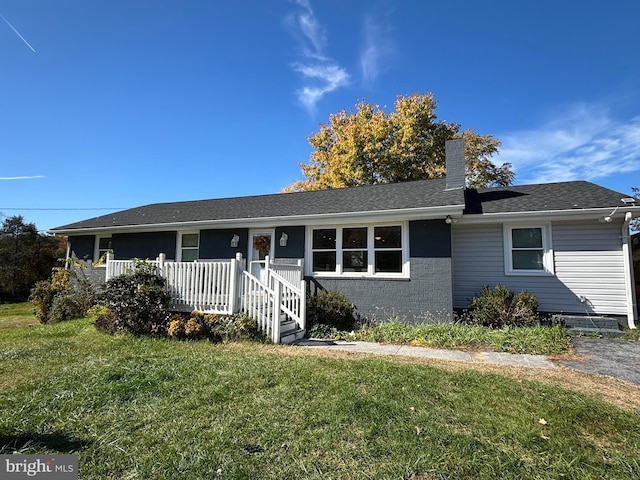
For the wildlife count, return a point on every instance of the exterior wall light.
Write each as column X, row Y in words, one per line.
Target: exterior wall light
column 235, row 240
column 283, row 239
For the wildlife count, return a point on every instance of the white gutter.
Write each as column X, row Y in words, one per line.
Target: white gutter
column 570, row 214
column 630, row 285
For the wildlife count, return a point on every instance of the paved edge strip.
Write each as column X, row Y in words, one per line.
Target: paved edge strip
column 523, row 360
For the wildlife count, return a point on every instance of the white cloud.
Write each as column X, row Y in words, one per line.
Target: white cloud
column 31, row 177
column 309, row 27
column 376, row 48
column 321, row 75
column 582, row 143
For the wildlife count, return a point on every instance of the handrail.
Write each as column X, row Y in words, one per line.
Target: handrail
column 226, row 287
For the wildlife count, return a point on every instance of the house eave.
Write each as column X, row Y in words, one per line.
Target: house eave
column 314, row 219
column 570, row 214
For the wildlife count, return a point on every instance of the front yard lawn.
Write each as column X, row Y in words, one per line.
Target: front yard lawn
column 162, row 409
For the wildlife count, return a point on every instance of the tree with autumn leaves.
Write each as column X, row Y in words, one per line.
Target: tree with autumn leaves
column 368, row 147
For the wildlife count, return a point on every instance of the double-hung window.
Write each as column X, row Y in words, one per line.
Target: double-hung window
column 358, row 251
column 104, row 247
column 324, row 250
column 189, row 247
column 354, row 250
column 528, row 250
column 388, row 249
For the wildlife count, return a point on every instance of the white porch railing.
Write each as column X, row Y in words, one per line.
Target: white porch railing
column 226, row 287
column 291, row 272
column 120, row 267
column 202, row 286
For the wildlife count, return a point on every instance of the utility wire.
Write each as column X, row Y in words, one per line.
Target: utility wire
column 56, row 209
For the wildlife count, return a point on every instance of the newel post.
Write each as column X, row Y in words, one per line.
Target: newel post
column 303, row 305
column 235, row 277
column 275, row 317
column 162, row 258
column 109, row 272
column 267, row 270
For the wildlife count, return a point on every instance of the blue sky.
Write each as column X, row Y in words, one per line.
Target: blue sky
column 111, row 105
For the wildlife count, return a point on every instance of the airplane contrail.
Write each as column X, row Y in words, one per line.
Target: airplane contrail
column 24, row 177
column 17, row 33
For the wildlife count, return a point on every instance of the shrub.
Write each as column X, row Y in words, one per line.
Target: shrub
column 67, row 294
column 44, row 291
column 64, row 307
column 217, row 328
column 139, row 301
column 320, row 330
column 330, row 308
column 105, row 322
column 500, row 307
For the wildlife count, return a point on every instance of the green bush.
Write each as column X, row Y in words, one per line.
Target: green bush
column 500, row 307
column 66, row 295
column 44, row 291
column 105, row 322
column 320, row 330
column 139, row 301
column 330, row 308
column 64, row 307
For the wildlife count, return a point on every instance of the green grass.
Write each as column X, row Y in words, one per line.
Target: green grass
column 541, row 340
column 160, row 409
column 14, row 315
column 633, row 335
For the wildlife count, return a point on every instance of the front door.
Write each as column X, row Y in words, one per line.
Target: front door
column 261, row 245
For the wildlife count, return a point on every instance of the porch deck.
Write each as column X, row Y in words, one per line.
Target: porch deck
column 276, row 301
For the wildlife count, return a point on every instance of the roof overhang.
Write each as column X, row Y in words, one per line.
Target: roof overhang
column 423, row 213
column 617, row 214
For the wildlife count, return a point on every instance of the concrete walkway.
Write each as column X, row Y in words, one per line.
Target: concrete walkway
column 522, row 360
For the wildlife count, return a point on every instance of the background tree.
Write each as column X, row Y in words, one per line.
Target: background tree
column 25, row 257
column 367, row 147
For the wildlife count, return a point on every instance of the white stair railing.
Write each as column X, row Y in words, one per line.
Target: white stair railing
column 226, row 287
column 291, row 298
column 258, row 302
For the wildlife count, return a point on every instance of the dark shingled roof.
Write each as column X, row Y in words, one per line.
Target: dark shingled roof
column 371, row 198
column 365, row 199
column 541, row 198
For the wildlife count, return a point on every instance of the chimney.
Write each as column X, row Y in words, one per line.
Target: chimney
column 454, row 155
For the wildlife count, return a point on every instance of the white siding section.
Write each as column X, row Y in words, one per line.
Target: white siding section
column 588, row 264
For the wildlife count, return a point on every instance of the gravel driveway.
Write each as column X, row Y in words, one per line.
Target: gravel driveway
column 608, row 356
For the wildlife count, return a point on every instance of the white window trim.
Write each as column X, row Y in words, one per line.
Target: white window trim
column 96, row 248
column 179, row 243
column 547, row 248
column 404, row 227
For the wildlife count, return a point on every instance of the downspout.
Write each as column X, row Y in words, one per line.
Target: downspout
column 628, row 267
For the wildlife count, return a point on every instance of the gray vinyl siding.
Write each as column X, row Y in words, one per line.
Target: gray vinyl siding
column 588, row 263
